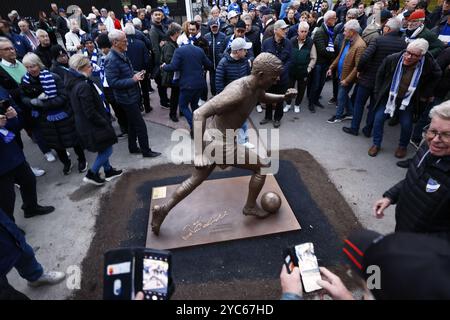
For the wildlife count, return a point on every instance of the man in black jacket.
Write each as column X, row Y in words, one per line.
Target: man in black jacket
column 390, row 42
column 43, row 49
column 423, row 197
column 158, row 37
column 215, row 40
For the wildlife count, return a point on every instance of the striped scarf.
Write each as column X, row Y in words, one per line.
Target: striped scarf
column 102, row 73
column 101, row 94
column 96, row 70
column 49, row 85
column 390, row 106
column 330, row 45
column 47, row 82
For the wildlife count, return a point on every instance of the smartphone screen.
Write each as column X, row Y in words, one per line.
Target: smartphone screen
column 155, row 276
column 308, row 265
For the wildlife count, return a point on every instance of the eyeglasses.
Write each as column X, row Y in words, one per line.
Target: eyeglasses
column 443, row 136
column 412, row 55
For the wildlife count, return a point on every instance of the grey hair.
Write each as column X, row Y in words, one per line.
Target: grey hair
column 174, row 28
column 328, row 15
column 129, row 29
column 394, row 24
column 40, row 32
column 32, row 59
column 442, row 110
column 303, row 25
column 137, row 22
column 246, row 17
column 420, row 43
column 353, row 25
column 115, row 34
column 79, row 61
column 4, row 39
column 353, row 12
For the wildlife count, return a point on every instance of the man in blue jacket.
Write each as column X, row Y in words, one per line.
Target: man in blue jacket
column 281, row 47
column 124, row 82
column 15, row 252
column 215, row 40
column 21, row 44
column 13, row 167
column 190, row 61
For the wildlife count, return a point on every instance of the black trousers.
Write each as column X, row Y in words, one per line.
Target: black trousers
column 174, row 99
column 301, row 88
column 162, row 91
column 118, row 110
column 62, row 155
column 7, row 292
column 145, row 89
column 136, row 128
column 277, row 89
column 24, row 177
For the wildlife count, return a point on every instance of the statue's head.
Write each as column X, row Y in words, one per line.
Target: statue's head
column 267, row 69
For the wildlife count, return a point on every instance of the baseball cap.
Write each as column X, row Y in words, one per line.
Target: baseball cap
column 61, row 10
column 240, row 25
column 213, row 22
column 265, row 11
column 56, row 51
column 251, row 7
column 280, row 24
column 240, row 43
column 232, row 14
column 412, row 266
column 417, row 15
column 385, row 14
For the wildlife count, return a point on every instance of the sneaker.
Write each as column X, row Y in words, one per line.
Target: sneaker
column 67, row 168
column 415, row 143
column 287, row 108
column 333, row 119
column 94, row 179
column 50, row 157
column 82, row 166
column 249, row 145
column 49, row 277
column 347, row 117
column 151, row 154
column 296, row 109
column 37, row 172
column 276, row 124
column 332, row 101
column 259, row 108
column 265, row 121
column 39, row 211
column 112, row 173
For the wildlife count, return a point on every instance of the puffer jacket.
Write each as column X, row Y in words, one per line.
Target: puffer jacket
column 229, row 70
column 215, row 42
column 119, row 72
column 422, row 206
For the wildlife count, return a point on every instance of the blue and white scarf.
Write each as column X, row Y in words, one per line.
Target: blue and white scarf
column 390, row 106
column 96, row 70
column 6, row 135
column 101, row 94
column 47, row 81
column 330, row 45
column 49, row 85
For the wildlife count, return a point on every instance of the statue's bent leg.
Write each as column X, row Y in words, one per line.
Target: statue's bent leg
column 159, row 213
column 255, row 186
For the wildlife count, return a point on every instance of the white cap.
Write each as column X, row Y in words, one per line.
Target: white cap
column 280, row 24
column 239, row 44
column 232, row 14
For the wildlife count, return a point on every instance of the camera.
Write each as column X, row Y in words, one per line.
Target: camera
column 303, row 257
column 131, row 270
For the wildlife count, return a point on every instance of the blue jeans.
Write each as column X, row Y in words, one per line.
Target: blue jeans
column 102, row 160
column 362, row 95
column 242, row 134
column 344, row 102
column 406, row 126
column 189, row 97
column 318, row 77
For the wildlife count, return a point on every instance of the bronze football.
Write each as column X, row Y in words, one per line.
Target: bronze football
column 270, row 202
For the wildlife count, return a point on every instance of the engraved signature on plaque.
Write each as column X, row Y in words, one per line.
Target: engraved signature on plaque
column 191, row 229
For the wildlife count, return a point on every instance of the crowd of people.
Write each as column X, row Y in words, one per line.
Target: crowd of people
column 65, row 79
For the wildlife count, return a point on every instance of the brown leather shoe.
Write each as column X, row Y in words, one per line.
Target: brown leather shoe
column 400, row 152
column 373, row 151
